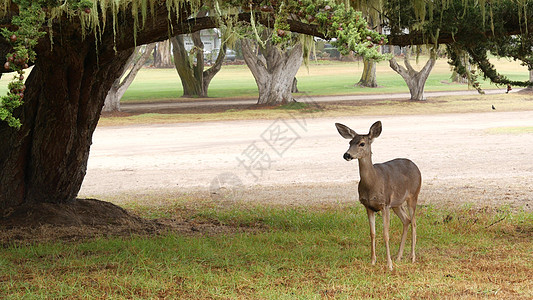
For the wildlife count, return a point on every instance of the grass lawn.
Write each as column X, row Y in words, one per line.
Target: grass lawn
column 320, row 78
column 282, row 253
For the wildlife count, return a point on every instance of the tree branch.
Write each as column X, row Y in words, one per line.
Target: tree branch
column 137, row 65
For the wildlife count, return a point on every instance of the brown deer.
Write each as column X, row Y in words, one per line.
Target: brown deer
column 384, row 187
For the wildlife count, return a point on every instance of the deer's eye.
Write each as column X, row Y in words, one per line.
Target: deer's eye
column 362, row 145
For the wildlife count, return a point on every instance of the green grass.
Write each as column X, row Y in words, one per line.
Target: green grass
column 295, row 253
column 322, row 78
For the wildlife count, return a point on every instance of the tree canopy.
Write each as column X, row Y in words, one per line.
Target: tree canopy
column 470, row 27
column 467, row 27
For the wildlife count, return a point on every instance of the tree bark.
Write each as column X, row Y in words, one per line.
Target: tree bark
column 530, row 79
column 213, row 70
column 294, row 87
column 162, row 57
column 415, row 79
column 368, row 78
column 273, row 70
column 46, row 160
column 185, row 68
column 121, row 84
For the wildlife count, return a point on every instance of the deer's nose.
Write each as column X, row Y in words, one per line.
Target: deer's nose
column 347, row 156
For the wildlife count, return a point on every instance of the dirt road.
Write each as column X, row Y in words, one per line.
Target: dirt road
column 300, row 160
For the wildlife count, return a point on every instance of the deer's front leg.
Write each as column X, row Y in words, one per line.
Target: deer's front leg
column 386, row 224
column 372, row 222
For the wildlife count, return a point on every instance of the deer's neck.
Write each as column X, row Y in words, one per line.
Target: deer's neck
column 367, row 172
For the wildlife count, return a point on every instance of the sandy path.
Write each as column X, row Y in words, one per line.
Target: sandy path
column 297, row 160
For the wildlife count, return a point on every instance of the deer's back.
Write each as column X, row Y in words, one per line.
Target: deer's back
column 399, row 179
column 402, row 177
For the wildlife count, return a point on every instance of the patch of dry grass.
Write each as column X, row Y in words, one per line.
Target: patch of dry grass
column 437, row 105
column 299, row 252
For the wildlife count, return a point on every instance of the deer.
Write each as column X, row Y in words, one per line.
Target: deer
column 384, row 186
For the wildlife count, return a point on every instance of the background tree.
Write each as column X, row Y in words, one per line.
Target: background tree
column 475, row 28
column 368, row 77
column 273, row 69
column 416, row 80
column 162, row 55
column 120, row 85
column 190, row 66
column 371, row 9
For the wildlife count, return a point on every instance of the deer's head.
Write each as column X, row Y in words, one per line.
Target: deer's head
column 359, row 144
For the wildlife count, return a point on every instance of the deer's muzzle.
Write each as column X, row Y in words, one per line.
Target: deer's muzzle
column 347, row 156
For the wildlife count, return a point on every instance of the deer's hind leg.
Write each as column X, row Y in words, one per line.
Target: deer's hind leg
column 412, row 210
column 402, row 214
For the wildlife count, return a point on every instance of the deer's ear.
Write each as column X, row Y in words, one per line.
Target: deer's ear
column 375, row 130
column 345, row 131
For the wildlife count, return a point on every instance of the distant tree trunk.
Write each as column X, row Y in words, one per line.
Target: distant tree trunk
column 194, row 79
column 185, row 67
column 273, row 70
column 294, row 88
column 415, row 80
column 530, row 79
column 456, row 77
column 162, row 57
column 121, row 84
column 368, row 78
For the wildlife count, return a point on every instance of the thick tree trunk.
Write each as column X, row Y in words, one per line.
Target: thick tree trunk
column 185, row 68
column 46, row 160
column 194, row 79
column 273, row 71
column 121, row 84
column 368, row 78
column 415, row 79
column 162, row 57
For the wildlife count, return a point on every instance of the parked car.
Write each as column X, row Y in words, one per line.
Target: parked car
column 231, row 55
column 332, row 51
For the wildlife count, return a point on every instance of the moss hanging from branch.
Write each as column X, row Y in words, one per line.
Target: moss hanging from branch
column 28, row 26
